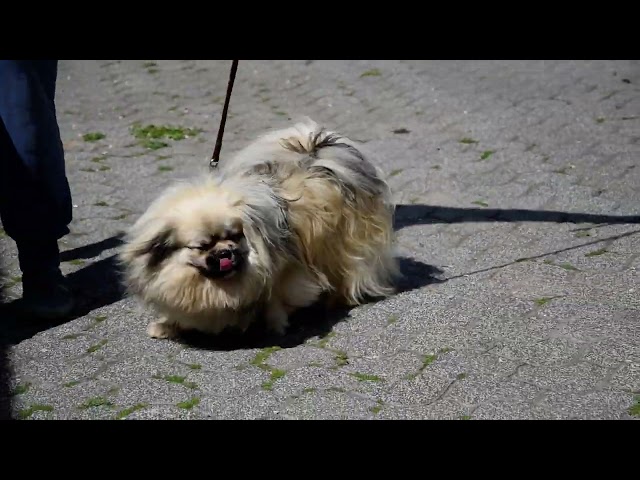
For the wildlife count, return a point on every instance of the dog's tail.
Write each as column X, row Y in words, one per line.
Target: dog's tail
column 328, row 153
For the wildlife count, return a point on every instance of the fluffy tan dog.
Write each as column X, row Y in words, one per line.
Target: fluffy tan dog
column 298, row 214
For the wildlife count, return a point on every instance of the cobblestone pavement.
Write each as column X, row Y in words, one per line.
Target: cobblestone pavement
column 518, row 219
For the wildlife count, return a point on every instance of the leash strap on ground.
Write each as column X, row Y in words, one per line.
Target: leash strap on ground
column 215, row 158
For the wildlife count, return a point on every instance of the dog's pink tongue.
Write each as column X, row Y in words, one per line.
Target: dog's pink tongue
column 225, row 264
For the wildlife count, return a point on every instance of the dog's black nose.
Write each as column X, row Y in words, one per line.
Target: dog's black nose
column 225, row 253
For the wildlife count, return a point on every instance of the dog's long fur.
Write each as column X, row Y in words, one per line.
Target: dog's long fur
column 316, row 217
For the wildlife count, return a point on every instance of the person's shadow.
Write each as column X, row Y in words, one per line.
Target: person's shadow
column 94, row 286
column 419, row 214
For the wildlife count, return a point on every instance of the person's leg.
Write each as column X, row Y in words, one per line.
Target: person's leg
column 35, row 199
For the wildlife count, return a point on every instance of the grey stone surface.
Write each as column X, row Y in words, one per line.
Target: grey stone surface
column 518, row 226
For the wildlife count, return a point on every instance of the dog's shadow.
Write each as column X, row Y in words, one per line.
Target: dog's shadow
column 310, row 322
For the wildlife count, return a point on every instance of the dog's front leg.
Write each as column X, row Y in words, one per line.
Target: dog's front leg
column 277, row 317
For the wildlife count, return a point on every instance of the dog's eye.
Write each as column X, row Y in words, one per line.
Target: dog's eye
column 235, row 236
column 205, row 245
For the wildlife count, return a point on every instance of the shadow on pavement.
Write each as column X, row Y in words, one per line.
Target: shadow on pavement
column 92, row 250
column 94, row 286
column 418, row 214
column 99, row 284
column 315, row 321
column 5, row 367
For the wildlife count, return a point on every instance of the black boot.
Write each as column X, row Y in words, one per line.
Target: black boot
column 46, row 293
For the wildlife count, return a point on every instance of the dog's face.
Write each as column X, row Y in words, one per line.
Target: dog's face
column 214, row 245
column 201, row 247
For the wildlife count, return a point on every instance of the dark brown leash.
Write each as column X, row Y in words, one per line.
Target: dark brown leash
column 215, row 158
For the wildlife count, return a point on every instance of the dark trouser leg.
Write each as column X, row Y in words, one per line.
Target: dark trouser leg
column 35, row 200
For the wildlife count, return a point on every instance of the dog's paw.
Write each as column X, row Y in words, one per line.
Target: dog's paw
column 161, row 330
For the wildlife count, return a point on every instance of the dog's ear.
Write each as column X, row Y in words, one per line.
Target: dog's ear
column 159, row 246
column 271, row 220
